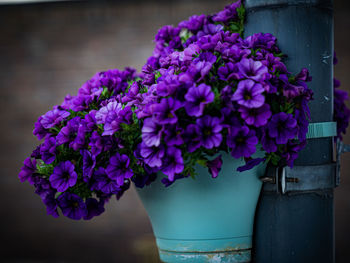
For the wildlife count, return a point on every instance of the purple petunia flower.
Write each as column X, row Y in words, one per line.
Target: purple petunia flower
column 64, row 176
column 197, row 98
column 109, row 116
column 102, row 182
column 249, row 94
column 228, row 14
column 192, row 137
column 210, row 128
column 43, row 187
column 164, row 112
column 282, row 127
column 250, row 164
column 51, row 205
column 229, row 72
column 214, row 166
column 173, row 135
column 39, row 131
column 172, row 162
column 68, row 133
column 268, row 143
column 53, row 117
column 72, row 206
column 153, row 155
column 251, row 69
column 202, row 65
column 89, row 162
column 256, row 116
column 48, row 150
column 27, row 170
column 151, row 132
column 242, row 141
column 94, row 208
column 167, row 182
column 118, row 168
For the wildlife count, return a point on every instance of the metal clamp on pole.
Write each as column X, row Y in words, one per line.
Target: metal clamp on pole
column 308, row 178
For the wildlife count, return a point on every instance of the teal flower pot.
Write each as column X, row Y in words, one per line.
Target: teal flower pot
column 205, row 219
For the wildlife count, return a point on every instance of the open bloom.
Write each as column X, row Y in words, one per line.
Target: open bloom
column 152, row 155
column 72, row 206
column 64, row 176
column 210, row 128
column 251, row 69
column 53, row 117
column 282, row 127
column 242, row 141
column 249, row 94
column 27, row 170
column 118, row 168
column 197, row 98
column 172, row 162
column 256, row 116
column 164, row 112
column 151, row 132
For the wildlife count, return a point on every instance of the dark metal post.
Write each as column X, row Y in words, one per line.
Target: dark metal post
column 299, row 226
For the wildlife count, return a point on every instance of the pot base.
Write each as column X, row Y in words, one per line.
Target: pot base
column 223, row 250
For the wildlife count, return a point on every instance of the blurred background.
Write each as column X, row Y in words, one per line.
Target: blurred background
column 50, row 49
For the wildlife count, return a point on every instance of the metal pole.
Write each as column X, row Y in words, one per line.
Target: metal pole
column 299, row 226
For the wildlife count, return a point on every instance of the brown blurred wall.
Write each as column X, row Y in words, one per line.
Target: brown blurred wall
column 49, row 50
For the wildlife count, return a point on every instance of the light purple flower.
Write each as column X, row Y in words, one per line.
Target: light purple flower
column 251, row 69
column 53, row 117
column 151, row 132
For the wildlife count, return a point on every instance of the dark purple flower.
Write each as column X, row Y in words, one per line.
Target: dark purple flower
column 102, row 182
column 251, row 69
column 151, row 132
column 48, row 150
column 228, row 14
column 256, row 116
column 172, row 162
column 173, row 135
column 197, row 98
column 51, row 205
column 36, row 153
column 167, row 182
column 89, row 162
column 291, row 150
column 249, row 94
column 89, row 121
column 268, row 143
column 250, row 164
column 164, row 112
column 229, row 118
column 214, row 166
column 202, row 65
column 282, row 127
column 229, row 72
column 27, row 170
column 64, row 176
column 145, row 179
column 72, row 206
column 152, row 155
column 192, row 137
column 242, row 141
column 210, row 128
column 53, row 117
column 118, row 168
column 79, row 141
column 194, row 23
column 94, row 208
column 43, row 187
column 39, row 131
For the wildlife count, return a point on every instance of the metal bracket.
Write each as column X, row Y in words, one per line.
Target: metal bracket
column 300, row 178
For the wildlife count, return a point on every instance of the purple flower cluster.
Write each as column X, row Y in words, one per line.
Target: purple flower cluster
column 341, row 111
column 83, row 159
column 205, row 90
column 211, row 90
